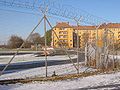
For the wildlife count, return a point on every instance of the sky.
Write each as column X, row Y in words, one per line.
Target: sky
column 19, row 23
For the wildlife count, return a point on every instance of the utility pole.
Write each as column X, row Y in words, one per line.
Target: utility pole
column 97, row 47
column 97, row 50
column 44, row 12
column 78, row 47
column 78, row 43
column 45, row 45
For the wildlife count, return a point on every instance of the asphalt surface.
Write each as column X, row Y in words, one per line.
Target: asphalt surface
column 35, row 64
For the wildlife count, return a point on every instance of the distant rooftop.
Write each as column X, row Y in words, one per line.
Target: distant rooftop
column 84, row 27
column 113, row 25
column 81, row 27
column 63, row 25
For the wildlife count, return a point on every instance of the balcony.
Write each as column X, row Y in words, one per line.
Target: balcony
column 63, row 32
column 63, row 36
column 63, row 29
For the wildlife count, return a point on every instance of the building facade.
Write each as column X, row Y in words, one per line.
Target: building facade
column 66, row 35
column 63, row 33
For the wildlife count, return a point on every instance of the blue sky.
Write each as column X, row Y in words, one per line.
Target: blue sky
column 22, row 23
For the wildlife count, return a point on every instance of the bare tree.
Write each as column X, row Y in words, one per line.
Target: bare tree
column 85, row 37
column 35, row 38
column 15, row 41
column 28, row 44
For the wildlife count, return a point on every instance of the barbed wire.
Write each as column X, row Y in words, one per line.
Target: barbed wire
column 54, row 8
column 60, row 10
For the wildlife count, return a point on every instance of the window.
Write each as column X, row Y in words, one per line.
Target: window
column 65, row 40
column 64, row 32
column 63, row 28
column 61, row 40
column 60, row 32
column 65, row 36
column 60, row 36
column 70, row 40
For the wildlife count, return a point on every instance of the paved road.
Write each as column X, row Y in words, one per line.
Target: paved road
column 20, row 53
column 34, row 64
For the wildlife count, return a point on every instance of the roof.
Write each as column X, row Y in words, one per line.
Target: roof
column 110, row 25
column 113, row 25
column 63, row 25
column 80, row 27
column 84, row 27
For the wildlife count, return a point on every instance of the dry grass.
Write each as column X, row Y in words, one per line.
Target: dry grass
column 55, row 78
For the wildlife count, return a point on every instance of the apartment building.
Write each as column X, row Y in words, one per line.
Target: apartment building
column 67, row 34
column 64, row 33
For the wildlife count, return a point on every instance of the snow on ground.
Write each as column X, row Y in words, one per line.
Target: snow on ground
column 100, row 82
column 30, row 57
column 114, row 57
column 96, row 82
column 40, row 71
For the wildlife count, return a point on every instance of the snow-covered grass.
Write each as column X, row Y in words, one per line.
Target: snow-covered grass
column 114, row 57
column 59, row 69
column 100, row 82
column 96, row 82
column 40, row 71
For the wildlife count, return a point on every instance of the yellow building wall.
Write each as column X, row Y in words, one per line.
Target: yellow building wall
column 92, row 36
column 54, row 37
column 70, row 37
column 116, row 32
column 65, row 36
